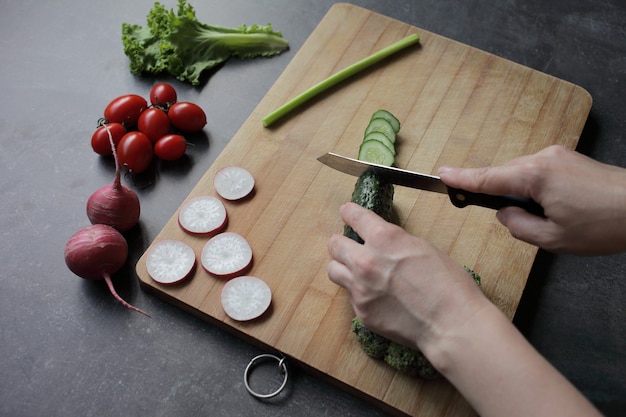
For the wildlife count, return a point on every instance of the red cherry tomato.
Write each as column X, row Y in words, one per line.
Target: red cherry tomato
column 154, row 123
column 100, row 138
column 187, row 117
column 125, row 109
column 170, row 147
column 162, row 95
column 135, row 151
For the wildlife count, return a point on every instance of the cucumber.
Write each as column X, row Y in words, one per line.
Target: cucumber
column 382, row 139
column 376, row 152
column 382, row 126
column 370, row 190
column 384, row 114
column 373, row 193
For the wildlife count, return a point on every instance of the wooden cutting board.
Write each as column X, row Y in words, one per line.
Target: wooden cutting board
column 458, row 106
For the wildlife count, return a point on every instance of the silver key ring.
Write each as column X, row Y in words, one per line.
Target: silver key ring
column 282, row 366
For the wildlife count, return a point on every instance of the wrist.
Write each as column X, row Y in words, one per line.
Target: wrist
column 454, row 322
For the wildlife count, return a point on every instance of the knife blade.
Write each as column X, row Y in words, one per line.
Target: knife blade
column 459, row 198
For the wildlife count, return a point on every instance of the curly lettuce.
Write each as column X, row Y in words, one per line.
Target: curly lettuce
column 178, row 44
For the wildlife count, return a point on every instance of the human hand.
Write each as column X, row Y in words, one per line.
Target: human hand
column 584, row 200
column 400, row 286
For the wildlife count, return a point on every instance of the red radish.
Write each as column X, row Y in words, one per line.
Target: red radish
column 96, row 252
column 115, row 204
column 246, row 298
column 170, row 261
column 202, row 215
column 226, row 255
column 233, row 183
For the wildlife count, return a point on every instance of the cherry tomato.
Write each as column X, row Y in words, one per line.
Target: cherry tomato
column 162, row 95
column 135, row 151
column 154, row 123
column 170, row 147
column 125, row 109
column 187, row 117
column 100, row 138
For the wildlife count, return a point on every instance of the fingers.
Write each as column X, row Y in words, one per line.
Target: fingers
column 341, row 250
column 527, row 227
column 362, row 220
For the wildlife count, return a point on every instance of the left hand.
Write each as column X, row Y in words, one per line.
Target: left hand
column 400, row 286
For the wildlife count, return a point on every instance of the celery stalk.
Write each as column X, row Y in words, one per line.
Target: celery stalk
column 337, row 78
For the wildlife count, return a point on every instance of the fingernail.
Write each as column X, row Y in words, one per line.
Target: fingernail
column 444, row 170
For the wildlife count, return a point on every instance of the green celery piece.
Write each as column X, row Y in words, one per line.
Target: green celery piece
column 337, row 78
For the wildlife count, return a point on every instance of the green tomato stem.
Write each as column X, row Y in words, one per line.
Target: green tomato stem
column 337, row 78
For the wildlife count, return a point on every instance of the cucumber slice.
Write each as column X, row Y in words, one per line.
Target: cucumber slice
column 382, row 126
column 382, row 138
column 376, row 152
column 384, row 114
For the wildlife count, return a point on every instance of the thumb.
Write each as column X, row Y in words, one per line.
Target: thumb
column 499, row 180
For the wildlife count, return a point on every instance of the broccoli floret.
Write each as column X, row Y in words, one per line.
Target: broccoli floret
column 181, row 45
column 473, row 274
column 371, row 343
column 410, row 362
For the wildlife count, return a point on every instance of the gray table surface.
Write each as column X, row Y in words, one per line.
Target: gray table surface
column 68, row 349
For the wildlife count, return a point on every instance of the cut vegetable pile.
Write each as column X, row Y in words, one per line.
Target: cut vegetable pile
column 225, row 255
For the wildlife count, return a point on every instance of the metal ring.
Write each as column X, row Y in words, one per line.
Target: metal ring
column 282, row 366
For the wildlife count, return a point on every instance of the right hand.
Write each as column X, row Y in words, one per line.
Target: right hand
column 584, row 200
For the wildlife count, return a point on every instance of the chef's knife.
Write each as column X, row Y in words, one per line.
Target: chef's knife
column 460, row 198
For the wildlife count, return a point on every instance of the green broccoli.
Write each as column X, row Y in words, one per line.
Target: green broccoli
column 371, row 343
column 473, row 274
column 179, row 44
column 408, row 361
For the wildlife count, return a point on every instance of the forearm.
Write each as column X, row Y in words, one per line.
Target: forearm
column 501, row 374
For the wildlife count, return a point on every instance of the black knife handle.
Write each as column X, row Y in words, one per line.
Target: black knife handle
column 461, row 198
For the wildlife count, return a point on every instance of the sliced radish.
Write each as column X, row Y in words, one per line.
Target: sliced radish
column 226, row 255
column 233, row 183
column 170, row 261
column 246, row 298
column 202, row 215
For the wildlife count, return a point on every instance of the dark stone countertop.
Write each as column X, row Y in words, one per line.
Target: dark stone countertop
column 68, row 349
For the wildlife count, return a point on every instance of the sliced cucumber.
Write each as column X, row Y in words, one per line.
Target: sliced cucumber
column 382, row 126
column 382, row 138
column 376, row 152
column 384, row 114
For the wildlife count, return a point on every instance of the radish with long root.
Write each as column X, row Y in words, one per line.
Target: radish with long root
column 95, row 252
column 115, row 204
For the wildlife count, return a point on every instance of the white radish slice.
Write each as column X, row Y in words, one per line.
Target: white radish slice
column 170, row 261
column 246, row 298
column 202, row 215
column 233, row 182
column 226, row 255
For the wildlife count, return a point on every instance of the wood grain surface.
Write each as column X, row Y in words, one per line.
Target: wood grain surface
column 458, row 106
